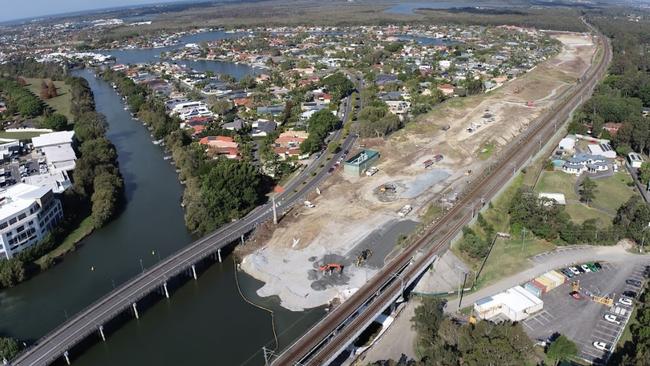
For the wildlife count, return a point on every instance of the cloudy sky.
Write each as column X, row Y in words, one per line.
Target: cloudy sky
column 34, row 8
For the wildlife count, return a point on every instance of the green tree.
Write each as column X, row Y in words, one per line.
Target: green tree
column 8, row 348
column 56, row 122
column 562, row 349
column 12, row 272
column 426, row 321
column 587, row 190
column 644, row 172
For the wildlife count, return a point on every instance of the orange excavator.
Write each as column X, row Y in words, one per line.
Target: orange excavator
column 331, row 267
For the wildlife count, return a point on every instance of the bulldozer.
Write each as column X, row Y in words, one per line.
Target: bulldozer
column 363, row 257
column 329, row 268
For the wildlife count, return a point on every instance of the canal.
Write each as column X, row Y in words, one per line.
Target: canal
column 205, row 322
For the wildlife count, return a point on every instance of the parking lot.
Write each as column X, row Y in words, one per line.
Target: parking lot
column 583, row 320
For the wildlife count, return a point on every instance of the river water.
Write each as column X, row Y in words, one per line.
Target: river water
column 205, row 322
column 152, row 55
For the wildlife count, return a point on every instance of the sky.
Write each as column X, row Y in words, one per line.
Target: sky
column 12, row 10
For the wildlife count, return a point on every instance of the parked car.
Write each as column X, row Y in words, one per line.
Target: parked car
column 629, row 293
column 585, row 268
column 601, row 346
column 574, row 270
column 598, row 265
column 579, row 269
column 632, row 282
column 625, row 301
column 567, row 272
column 592, row 267
column 612, row 318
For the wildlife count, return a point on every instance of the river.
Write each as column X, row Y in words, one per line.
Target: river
column 205, row 322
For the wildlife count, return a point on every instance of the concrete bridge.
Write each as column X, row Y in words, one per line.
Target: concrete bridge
column 125, row 298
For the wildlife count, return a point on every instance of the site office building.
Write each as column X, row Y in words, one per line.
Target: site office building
column 27, row 214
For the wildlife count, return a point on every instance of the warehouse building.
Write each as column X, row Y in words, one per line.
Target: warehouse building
column 360, row 162
column 514, row 304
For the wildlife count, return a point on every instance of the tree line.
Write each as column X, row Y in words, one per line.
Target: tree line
column 19, row 99
column 622, row 95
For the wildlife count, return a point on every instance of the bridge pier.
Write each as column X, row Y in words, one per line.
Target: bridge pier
column 194, row 271
column 67, row 357
column 219, row 254
column 135, row 311
column 165, row 289
column 101, row 333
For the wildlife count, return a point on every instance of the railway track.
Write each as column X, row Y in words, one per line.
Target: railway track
column 323, row 341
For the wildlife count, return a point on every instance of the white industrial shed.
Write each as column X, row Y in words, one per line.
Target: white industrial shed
column 567, row 144
column 515, row 304
column 604, row 150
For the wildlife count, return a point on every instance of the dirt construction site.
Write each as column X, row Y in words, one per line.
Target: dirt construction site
column 355, row 221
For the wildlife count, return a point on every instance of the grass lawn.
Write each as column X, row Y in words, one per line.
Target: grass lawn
column 61, row 103
column 19, row 135
column 84, row 229
column 580, row 213
column 557, row 182
column 509, row 257
column 613, row 191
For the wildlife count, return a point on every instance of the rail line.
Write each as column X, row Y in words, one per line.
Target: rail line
column 321, row 343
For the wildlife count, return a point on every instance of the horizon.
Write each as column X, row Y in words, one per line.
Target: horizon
column 47, row 8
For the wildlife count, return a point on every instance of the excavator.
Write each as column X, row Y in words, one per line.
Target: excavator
column 575, row 290
column 331, row 267
column 363, row 256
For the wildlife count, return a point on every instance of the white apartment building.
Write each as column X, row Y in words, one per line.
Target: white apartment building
column 27, row 214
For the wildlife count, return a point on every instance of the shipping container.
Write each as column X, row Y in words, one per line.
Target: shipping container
column 553, row 279
column 548, row 284
column 559, row 275
column 540, row 285
column 530, row 287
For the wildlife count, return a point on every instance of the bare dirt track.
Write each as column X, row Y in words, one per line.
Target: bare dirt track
column 350, row 208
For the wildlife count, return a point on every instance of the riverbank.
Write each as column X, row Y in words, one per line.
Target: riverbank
column 69, row 244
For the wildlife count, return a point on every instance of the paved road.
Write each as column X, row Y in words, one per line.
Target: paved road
column 63, row 338
column 326, row 339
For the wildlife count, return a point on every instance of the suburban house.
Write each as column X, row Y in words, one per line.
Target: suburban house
column 288, row 143
column 585, row 163
column 446, row 89
column 221, row 145
column 262, row 128
column 398, row 107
